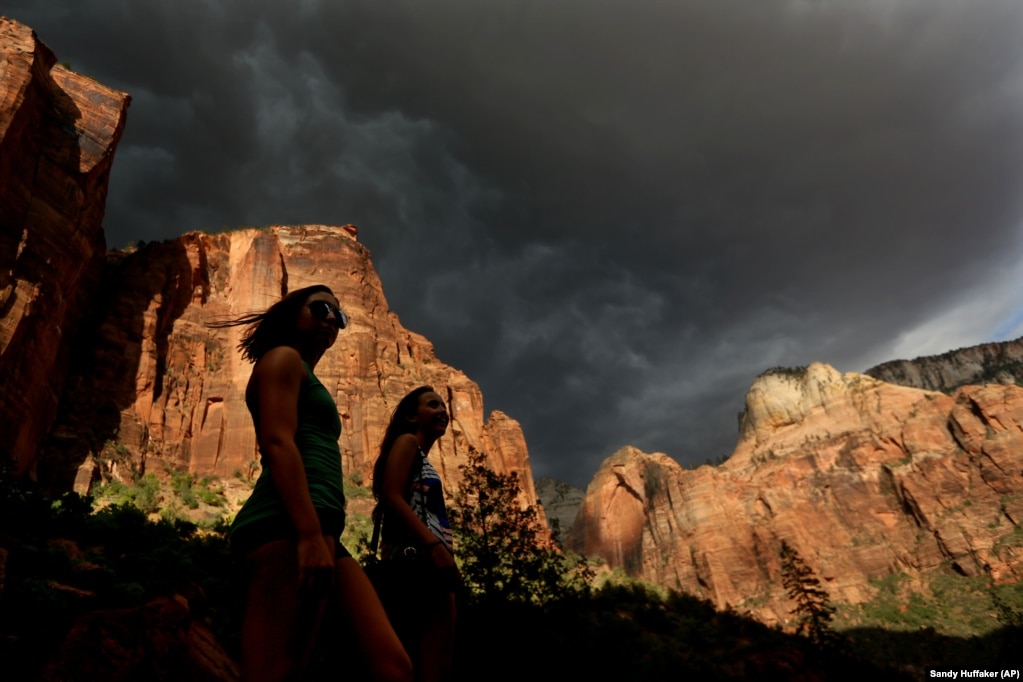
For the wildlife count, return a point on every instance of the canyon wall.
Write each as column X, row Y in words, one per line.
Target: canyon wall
column 108, row 368
column 985, row 363
column 154, row 388
column 58, row 133
column 863, row 478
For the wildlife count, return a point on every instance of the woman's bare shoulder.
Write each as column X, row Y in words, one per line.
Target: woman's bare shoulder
column 282, row 363
column 406, row 440
column 403, row 450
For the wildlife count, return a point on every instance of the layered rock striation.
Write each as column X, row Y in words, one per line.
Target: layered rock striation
column 997, row 363
column 863, row 478
column 58, row 133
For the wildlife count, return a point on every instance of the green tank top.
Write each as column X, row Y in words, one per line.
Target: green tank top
column 319, row 428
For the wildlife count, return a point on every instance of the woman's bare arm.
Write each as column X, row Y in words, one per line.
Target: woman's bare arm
column 277, row 379
column 396, row 476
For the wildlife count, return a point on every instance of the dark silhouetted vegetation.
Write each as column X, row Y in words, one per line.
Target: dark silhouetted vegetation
column 813, row 604
column 62, row 560
column 788, row 372
column 504, row 553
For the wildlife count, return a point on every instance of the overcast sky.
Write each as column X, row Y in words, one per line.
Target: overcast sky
column 611, row 215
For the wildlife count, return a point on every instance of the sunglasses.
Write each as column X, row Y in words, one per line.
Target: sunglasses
column 320, row 310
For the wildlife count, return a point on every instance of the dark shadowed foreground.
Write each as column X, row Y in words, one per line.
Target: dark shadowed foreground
column 113, row 595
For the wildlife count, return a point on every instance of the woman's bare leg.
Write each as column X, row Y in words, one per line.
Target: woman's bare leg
column 436, row 646
column 362, row 612
column 279, row 626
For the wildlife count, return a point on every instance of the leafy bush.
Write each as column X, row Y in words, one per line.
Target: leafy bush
column 503, row 551
column 144, row 494
column 211, row 492
column 1008, row 603
column 65, row 561
column 358, row 531
column 181, row 484
column 354, row 489
column 948, row 603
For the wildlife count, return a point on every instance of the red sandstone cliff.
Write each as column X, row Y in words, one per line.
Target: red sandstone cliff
column 106, row 362
column 168, row 392
column 862, row 477
column 58, row 133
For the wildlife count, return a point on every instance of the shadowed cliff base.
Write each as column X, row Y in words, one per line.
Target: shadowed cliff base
column 628, row 633
column 130, row 325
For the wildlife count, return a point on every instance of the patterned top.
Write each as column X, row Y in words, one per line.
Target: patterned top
column 425, row 495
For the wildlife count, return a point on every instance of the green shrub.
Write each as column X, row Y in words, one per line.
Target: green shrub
column 355, row 490
column 181, row 484
column 144, row 494
column 502, row 552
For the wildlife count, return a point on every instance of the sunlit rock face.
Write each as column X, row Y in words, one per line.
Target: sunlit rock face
column 168, row 389
column 1000, row 363
column 58, row 133
column 862, row 477
column 107, row 361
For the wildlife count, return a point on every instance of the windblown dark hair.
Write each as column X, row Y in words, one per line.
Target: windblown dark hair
column 398, row 426
column 273, row 327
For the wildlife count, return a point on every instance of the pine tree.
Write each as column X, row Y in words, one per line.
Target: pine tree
column 504, row 552
column 813, row 604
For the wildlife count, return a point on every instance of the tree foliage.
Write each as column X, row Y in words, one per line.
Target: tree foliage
column 504, row 552
column 813, row 604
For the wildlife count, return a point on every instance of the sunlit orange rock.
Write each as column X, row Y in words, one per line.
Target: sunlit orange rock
column 168, row 390
column 862, row 477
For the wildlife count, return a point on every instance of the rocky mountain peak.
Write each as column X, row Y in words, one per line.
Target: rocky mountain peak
column 863, row 478
column 997, row 363
column 108, row 364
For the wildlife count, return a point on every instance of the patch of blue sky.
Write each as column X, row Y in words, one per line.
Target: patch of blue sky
column 1010, row 328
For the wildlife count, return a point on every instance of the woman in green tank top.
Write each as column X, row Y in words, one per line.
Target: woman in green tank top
column 289, row 530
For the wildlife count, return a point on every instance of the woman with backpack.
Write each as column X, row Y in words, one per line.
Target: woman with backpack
column 416, row 534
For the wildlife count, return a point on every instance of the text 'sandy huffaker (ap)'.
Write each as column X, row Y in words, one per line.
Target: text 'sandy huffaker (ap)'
column 957, row 674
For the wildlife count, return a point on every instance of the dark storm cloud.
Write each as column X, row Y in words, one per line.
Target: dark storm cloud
column 611, row 215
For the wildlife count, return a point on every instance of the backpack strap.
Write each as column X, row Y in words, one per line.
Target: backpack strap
column 378, row 513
